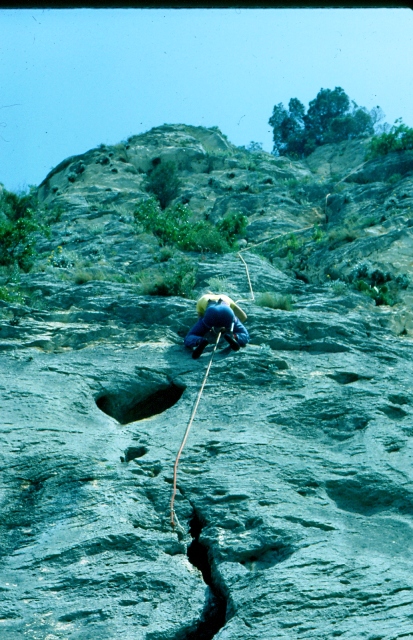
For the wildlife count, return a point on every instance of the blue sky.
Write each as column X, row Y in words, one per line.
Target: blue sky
column 71, row 79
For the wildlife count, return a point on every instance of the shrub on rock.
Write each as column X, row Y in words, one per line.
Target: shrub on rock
column 163, row 182
column 172, row 226
column 399, row 138
column 18, row 223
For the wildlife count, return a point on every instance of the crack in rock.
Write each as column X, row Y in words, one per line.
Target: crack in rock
column 214, row 615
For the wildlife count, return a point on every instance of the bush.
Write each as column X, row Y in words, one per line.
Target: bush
column 165, row 254
column 254, row 147
column 381, row 295
column 84, row 276
column 15, row 206
column 272, row 301
column 169, row 226
column 287, row 245
column 204, row 236
column 383, row 287
column 18, row 224
column 178, row 280
column 172, row 226
column 16, row 242
column 163, row 182
column 6, row 295
column 339, row 287
column 318, row 234
column 399, row 138
column 232, row 227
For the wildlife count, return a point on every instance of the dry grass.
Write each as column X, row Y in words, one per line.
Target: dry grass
column 272, row 301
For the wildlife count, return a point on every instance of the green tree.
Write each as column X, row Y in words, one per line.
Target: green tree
column 330, row 118
column 18, row 224
column 294, row 127
column 278, row 117
column 350, row 126
column 163, row 181
column 322, row 111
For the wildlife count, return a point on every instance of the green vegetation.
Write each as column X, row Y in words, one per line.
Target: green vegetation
column 399, row 138
column 19, row 221
column 222, row 285
column 168, row 226
column 381, row 295
column 8, row 293
column 394, row 178
column 280, row 248
column 383, row 287
column 204, row 237
column 232, row 226
column 172, row 226
column 318, row 234
column 165, row 254
column 339, row 287
column 272, row 301
column 85, row 273
column 338, row 237
column 330, row 118
column 176, row 280
column 286, row 246
column 83, row 276
column 163, row 181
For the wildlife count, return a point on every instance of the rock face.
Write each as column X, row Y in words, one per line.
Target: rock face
column 295, row 488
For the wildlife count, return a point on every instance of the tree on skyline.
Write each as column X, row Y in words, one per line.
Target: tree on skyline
column 331, row 117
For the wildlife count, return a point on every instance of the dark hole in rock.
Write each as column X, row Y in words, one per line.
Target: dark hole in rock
column 344, row 377
column 214, row 615
column 129, row 407
column 131, row 453
column 393, row 447
column 395, row 413
column 399, row 399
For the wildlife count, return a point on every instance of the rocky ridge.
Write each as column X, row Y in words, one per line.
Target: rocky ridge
column 295, row 496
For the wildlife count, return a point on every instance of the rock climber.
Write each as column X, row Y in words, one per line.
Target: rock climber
column 217, row 314
column 209, row 297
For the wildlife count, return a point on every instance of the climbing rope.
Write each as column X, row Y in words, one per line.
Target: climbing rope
column 325, row 205
column 248, row 277
column 278, row 235
column 194, row 410
column 173, row 516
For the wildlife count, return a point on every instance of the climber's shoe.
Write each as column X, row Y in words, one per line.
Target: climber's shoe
column 199, row 348
column 233, row 343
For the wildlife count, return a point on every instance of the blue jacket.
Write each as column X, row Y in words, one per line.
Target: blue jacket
column 199, row 330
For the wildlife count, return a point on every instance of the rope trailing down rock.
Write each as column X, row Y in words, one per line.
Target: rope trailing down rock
column 278, row 235
column 248, row 277
column 181, row 448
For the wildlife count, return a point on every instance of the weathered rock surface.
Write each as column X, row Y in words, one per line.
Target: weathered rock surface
column 295, row 488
